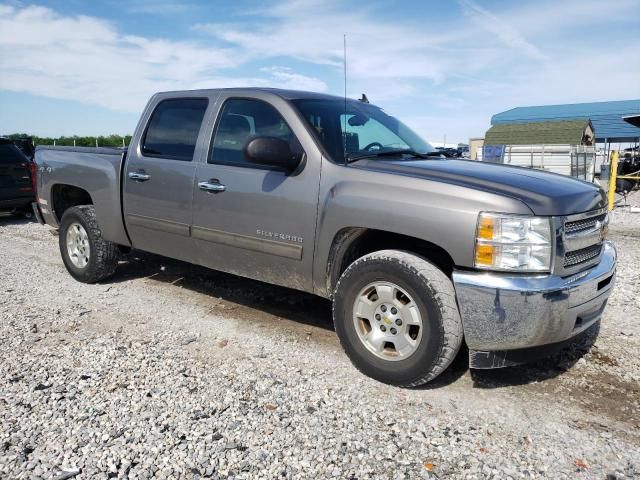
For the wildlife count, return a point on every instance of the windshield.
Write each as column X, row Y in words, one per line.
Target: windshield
column 362, row 131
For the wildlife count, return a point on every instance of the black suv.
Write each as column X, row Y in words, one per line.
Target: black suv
column 16, row 185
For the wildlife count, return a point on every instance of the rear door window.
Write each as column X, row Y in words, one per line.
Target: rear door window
column 13, row 166
column 173, row 128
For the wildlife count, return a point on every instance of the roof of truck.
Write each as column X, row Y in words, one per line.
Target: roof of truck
column 283, row 93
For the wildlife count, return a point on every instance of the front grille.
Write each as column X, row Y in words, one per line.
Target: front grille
column 571, row 259
column 578, row 226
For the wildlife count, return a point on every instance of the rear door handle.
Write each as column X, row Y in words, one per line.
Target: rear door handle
column 139, row 176
column 213, row 186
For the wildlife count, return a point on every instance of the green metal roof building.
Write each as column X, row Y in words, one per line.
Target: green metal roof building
column 561, row 132
column 607, row 117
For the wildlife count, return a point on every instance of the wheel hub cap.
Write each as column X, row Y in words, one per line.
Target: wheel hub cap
column 78, row 245
column 387, row 321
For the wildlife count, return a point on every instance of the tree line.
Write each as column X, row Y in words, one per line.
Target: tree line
column 79, row 141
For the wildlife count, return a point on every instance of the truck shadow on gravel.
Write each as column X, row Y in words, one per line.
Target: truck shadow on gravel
column 237, row 295
column 249, row 299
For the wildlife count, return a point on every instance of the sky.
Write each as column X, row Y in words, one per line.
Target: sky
column 444, row 67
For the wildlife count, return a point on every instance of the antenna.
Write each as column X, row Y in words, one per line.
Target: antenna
column 344, row 128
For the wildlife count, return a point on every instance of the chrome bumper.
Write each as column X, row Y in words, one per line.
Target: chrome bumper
column 507, row 312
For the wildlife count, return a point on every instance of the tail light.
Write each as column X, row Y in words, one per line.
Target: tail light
column 34, row 177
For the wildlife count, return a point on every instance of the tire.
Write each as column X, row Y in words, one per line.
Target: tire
column 430, row 345
column 101, row 257
column 24, row 212
column 624, row 185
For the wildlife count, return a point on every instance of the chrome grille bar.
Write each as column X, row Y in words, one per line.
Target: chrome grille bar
column 582, row 239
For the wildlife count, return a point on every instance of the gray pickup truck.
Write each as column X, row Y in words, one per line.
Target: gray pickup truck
column 337, row 198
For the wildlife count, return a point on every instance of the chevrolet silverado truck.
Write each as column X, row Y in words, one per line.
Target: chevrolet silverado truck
column 335, row 197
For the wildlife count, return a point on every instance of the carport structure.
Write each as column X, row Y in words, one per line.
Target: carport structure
column 607, row 118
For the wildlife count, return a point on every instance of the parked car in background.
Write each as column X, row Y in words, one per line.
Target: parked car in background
column 17, row 172
column 448, row 152
column 628, row 165
column 26, row 145
column 337, row 198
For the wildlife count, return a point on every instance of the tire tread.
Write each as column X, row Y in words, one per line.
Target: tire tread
column 106, row 253
column 442, row 290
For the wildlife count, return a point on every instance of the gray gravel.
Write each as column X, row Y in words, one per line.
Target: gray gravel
column 173, row 371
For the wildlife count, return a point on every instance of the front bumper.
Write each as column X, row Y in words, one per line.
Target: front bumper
column 503, row 312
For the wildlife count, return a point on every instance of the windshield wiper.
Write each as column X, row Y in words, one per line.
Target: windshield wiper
column 390, row 153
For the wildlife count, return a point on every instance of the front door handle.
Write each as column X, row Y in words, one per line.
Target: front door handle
column 139, row 176
column 213, row 186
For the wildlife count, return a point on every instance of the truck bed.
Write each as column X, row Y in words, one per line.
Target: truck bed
column 98, row 171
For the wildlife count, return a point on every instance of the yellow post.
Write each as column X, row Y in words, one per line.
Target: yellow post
column 612, row 178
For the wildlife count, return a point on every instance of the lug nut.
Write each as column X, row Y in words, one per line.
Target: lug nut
column 383, row 328
column 394, row 310
column 378, row 317
column 393, row 331
column 398, row 322
column 383, row 308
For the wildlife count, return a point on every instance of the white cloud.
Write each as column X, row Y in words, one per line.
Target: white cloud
column 505, row 31
column 87, row 59
column 312, row 31
column 446, row 75
column 286, row 78
column 159, row 7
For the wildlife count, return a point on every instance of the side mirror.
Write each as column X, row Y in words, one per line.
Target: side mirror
column 273, row 152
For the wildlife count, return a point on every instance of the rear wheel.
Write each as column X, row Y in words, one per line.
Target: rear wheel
column 86, row 255
column 397, row 319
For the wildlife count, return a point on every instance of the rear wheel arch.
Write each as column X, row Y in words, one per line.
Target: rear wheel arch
column 64, row 196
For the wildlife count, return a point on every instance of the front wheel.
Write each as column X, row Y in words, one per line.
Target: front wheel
column 87, row 256
column 397, row 318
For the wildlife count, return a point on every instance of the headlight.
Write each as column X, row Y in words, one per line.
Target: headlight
column 513, row 243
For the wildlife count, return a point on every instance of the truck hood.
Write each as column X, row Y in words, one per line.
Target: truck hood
column 543, row 192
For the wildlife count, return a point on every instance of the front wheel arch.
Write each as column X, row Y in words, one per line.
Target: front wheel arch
column 351, row 243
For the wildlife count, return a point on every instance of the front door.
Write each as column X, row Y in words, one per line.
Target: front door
column 158, row 178
column 252, row 220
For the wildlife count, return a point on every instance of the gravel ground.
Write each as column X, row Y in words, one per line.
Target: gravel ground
column 174, row 371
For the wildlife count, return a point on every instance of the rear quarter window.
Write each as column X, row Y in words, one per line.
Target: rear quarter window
column 173, row 129
column 10, row 154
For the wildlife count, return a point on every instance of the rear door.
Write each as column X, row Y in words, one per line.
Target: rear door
column 159, row 175
column 260, row 223
column 15, row 176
